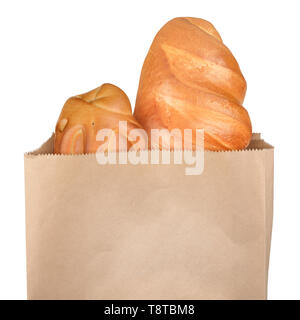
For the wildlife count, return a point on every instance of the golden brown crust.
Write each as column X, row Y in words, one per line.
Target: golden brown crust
column 84, row 115
column 190, row 79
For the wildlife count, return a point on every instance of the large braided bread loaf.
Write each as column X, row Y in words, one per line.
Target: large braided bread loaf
column 190, row 80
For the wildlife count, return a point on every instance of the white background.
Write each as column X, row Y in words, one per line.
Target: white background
column 52, row 50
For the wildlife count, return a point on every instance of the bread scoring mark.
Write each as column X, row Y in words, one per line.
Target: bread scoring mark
column 62, row 124
column 181, row 107
column 205, row 26
column 95, row 103
column 219, row 141
column 97, row 92
column 210, row 76
column 77, row 145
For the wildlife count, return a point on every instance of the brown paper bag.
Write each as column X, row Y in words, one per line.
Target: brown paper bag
column 149, row 231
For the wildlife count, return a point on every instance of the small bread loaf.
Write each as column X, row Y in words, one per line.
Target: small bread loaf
column 191, row 80
column 84, row 115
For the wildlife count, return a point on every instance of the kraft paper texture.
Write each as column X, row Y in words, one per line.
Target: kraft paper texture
column 149, row 231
